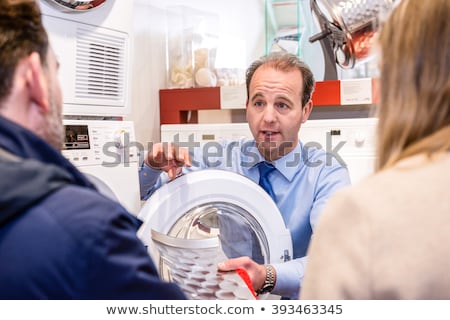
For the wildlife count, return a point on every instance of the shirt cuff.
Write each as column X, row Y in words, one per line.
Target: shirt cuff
column 289, row 275
column 147, row 180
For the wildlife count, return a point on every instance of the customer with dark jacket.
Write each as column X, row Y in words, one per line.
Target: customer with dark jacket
column 59, row 237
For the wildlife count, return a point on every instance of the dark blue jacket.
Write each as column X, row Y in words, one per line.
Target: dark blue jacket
column 59, row 237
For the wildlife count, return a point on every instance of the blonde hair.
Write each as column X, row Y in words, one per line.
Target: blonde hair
column 414, row 110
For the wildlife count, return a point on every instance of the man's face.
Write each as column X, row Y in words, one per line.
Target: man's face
column 54, row 131
column 274, row 110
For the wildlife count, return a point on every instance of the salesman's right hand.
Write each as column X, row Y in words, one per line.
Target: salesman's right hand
column 168, row 157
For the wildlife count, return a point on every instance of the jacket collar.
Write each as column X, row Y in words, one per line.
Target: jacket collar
column 27, row 145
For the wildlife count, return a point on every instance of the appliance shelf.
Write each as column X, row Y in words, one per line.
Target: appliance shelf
column 178, row 106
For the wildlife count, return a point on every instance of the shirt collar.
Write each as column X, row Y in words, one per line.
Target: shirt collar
column 287, row 165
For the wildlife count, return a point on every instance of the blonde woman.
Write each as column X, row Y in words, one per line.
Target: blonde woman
column 388, row 237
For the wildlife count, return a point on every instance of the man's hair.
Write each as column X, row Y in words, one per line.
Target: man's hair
column 21, row 33
column 414, row 81
column 284, row 62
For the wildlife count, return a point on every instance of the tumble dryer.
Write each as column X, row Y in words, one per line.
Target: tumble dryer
column 93, row 47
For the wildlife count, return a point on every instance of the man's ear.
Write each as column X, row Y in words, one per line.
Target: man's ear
column 307, row 108
column 37, row 82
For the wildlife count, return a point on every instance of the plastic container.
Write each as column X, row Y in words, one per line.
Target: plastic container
column 191, row 45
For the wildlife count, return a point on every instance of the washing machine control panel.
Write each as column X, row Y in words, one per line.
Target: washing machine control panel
column 99, row 142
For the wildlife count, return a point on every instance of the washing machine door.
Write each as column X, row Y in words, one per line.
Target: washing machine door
column 203, row 217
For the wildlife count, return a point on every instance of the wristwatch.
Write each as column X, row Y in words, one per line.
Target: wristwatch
column 269, row 283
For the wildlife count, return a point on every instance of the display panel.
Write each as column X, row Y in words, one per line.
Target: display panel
column 76, row 137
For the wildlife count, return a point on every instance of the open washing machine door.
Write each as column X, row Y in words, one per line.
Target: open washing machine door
column 204, row 217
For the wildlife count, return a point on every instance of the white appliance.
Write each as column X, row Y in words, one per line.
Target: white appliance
column 107, row 153
column 197, row 220
column 352, row 140
column 93, row 49
column 192, row 222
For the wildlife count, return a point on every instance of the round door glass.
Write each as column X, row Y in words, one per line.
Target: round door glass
column 238, row 232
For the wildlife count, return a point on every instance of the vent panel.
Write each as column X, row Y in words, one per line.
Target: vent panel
column 100, row 66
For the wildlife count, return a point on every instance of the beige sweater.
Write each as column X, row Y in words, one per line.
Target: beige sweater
column 387, row 238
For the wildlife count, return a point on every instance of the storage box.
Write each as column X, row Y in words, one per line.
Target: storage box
column 192, row 39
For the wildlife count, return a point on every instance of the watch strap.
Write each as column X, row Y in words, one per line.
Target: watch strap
column 269, row 283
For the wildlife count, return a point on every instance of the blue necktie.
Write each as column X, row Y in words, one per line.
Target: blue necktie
column 265, row 169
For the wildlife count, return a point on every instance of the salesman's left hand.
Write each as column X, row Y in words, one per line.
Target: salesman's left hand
column 256, row 272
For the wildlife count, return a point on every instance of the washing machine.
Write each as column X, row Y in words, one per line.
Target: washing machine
column 352, row 141
column 106, row 152
column 204, row 217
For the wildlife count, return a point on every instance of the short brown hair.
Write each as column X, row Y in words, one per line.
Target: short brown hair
column 284, row 62
column 21, row 33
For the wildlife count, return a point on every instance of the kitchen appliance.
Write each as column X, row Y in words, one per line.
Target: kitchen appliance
column 105, row 151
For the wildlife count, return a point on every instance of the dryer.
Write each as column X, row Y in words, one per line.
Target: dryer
column 94, row 50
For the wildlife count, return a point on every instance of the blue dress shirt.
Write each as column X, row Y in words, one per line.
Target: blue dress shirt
column 304, row 180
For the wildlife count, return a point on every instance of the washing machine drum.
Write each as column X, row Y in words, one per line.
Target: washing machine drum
column 204, row 217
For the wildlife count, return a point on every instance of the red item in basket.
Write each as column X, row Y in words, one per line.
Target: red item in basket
column 244, row 276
